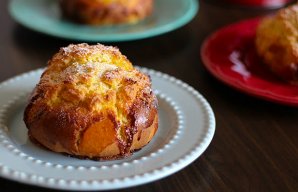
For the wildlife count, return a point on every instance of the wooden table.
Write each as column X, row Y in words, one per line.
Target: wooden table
column 255, row 147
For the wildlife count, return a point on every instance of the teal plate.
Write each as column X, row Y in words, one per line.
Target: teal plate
column 44, row 16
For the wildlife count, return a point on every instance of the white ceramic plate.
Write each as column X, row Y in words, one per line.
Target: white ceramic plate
column 187, row 125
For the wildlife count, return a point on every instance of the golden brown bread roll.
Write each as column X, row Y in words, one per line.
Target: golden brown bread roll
column 92, row 103
column 276, row 43
column 97, row 12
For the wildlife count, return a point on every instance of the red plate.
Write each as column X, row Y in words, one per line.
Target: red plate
column 229, row 54
column 262, row 3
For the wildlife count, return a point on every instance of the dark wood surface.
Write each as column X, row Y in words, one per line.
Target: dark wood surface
column 255, row 147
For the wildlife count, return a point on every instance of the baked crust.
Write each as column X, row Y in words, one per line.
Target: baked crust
column 91, row 102
column 98, row 12
column 276, row 43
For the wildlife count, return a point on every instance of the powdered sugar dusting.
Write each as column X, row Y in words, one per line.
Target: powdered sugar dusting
column 84, row 48
column 88, row 69
column 76, row 72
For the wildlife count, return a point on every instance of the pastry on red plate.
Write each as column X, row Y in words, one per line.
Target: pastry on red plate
column 277, row 43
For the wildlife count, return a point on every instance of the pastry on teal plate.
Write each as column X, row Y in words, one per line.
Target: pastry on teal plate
column 44, row 16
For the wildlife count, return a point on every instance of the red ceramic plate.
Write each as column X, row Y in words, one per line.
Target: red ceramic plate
column 229, row 54
column 262, row 3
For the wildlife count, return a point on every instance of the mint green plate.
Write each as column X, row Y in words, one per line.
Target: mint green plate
column 44, row 16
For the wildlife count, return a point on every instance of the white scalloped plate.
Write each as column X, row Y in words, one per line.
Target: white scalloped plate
column 187, row 125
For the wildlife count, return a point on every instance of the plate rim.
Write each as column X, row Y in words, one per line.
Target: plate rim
column 233, row 82
column 175, row 24
column 197, row 149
